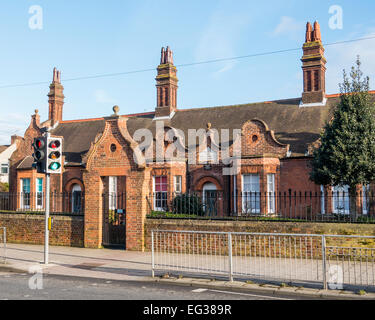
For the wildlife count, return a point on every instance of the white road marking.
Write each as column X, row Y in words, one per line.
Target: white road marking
column 199, row 290
column 251, row 295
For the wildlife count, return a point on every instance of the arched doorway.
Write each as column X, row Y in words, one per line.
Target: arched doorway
column 210, row 199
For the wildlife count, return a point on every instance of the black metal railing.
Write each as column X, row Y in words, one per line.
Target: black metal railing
column 30, row 202
column 307, row 206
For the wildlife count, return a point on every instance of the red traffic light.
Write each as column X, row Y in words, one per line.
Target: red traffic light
column 55, row 144
column 39, row 143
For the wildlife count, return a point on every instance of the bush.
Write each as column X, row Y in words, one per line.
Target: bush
column 4, row 187
column 188, row 204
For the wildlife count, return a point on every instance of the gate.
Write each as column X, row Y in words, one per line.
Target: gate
column 210, row 203
column 114, row 220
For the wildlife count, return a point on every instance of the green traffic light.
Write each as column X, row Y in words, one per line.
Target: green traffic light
column 55, row 166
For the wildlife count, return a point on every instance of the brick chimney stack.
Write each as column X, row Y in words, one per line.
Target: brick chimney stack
column 166, row 85
column 56, row 98
column 314, row 67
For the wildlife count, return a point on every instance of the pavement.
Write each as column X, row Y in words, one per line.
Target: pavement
column 121, row 265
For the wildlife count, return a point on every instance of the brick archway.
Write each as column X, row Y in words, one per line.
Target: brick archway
column 72, row 182
column 208, row 179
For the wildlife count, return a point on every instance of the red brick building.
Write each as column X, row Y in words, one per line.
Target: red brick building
column 276, row 140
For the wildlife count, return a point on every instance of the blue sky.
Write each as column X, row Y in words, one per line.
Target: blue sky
column 84, row 38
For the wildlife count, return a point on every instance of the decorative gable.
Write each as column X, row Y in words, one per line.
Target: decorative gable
column 259, row 140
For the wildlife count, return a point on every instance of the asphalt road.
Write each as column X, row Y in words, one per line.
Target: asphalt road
column 16, row 286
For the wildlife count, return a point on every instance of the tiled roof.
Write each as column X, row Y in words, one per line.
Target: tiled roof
column 3, row 148
column 292, row 124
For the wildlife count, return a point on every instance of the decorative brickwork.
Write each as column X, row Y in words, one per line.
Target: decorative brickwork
column 314, row 66
column 166, row 85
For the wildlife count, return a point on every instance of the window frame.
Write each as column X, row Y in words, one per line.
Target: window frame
column 24, row 199
column 178, row 184
column 271, row 201
column 254, row 195
column 38, row 194
column 6, row 166
column 341, row 196
column 160, row 197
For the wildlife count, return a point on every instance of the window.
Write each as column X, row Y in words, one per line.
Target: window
column 322, row 200
column 25, row 194
column 160, row 193
column 39, row 193
column 4, row 168
column 76, row 199
column 112, row 193
column 178, row 184
column 340, row 200
column 271, row 192
column 365, row 199
column 251, row 194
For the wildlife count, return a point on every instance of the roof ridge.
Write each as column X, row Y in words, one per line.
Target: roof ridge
column 240, row 105
column 102, row 118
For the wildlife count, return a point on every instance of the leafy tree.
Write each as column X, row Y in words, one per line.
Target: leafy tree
column 346, row 155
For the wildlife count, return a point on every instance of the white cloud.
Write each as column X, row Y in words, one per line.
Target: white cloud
column 290, row 27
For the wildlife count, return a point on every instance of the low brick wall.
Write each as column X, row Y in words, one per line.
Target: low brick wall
column 256, row 227
column 29, row 229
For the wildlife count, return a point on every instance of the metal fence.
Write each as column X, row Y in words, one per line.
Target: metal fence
column 328, row 261
column 291, row 205
column 60, row 203
column 3, row 244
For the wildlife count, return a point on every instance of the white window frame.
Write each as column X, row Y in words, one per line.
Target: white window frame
column 177, row 184
column 322, row 200
column 250, row 196
column 165, row 194
column 343, row 199
column 22, row 206
column 271, row 203
column 4, row 165
column 112, row 193
column 39, row 207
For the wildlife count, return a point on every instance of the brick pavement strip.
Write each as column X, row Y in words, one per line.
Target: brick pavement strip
column 132, row 266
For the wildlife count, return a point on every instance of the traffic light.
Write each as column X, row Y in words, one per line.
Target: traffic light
column 54, row 155
column 40, row 149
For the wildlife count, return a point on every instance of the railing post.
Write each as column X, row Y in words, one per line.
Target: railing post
column 152, row 255
column 230, row 271
column 324, row 261
column 4, row 244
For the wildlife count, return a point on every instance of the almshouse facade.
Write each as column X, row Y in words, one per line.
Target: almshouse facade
column 105, row 163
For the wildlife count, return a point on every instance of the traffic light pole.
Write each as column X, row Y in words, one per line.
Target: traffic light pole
column 46, row 232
